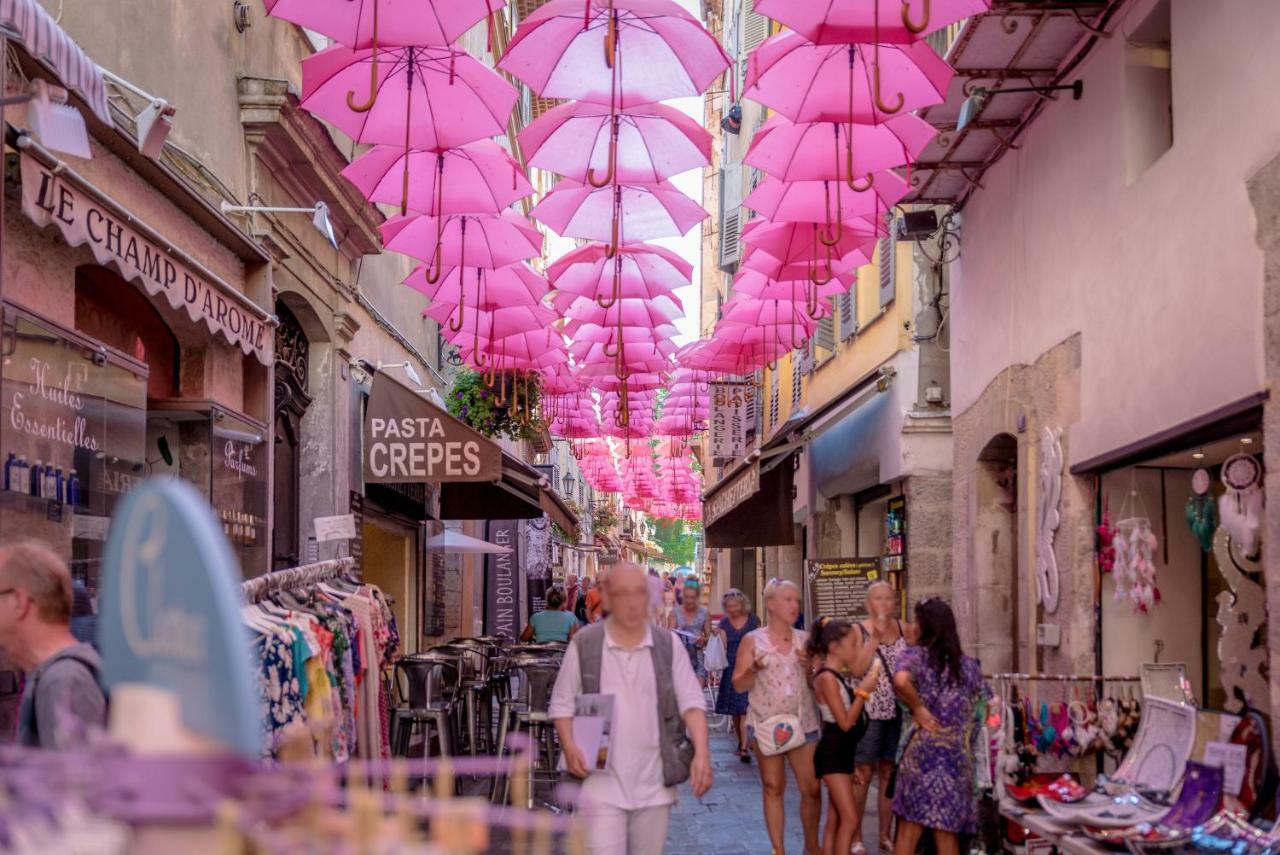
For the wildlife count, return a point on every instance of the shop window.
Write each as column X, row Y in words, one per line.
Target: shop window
column 118, row 315
column 1149, row 90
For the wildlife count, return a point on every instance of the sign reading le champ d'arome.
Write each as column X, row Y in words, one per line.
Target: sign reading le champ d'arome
column 409, row 439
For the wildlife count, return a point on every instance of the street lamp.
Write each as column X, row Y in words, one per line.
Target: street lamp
column 569, row 481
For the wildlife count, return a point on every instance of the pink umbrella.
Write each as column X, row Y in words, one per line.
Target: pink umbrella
column 797, row 242
column 422, row 97
column 751, row 283
column 828, row 22
column 515, row 285
column 595, row 145
column 370, row 23
column 813, row 270
column 477, row 178
column 827, row 202
column 490, row 324
column 530, row 347
column 782, row 71
column 462, row 240
column 645, row 313
column 586, row 352
column 618, row 213
column 635, row 270
column 609, row 334
column 565, row 302
column 822, row 151
column 624, row 52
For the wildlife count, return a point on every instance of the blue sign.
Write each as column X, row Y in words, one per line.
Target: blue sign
column 169, row 614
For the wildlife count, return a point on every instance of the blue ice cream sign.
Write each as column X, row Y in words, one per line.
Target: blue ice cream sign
column 170, row 612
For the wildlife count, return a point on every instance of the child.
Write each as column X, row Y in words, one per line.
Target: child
column 838, row 650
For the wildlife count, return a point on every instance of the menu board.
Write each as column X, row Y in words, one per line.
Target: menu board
column 838, row 586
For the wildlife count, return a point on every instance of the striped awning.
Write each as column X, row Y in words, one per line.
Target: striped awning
column 27, row 22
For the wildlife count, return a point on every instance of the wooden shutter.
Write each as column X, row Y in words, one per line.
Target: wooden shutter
column 824, row 338
column 774, row 390
column 755, row 27
column 888, row 269
column 730, row 216
column 848, row 308
column 797, row 373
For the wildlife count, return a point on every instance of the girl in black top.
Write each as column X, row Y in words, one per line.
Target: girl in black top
column 839, row 651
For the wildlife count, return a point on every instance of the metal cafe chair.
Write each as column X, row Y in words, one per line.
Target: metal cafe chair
column 473, row 688
column 428, row 685
column 528, row 710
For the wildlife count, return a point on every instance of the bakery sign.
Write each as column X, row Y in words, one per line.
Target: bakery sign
column 409, row 439
column 737, row 490
column 118, row 240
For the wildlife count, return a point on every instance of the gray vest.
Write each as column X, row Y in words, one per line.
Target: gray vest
column 677, row 750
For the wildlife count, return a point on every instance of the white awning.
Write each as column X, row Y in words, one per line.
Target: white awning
column 27, row 22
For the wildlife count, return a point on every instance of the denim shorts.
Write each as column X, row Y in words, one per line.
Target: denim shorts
column 880, row 742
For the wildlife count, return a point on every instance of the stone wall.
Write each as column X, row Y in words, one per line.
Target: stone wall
column 929, row 509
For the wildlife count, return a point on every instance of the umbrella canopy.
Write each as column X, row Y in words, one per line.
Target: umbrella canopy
column 625, row 51
column 366, row 23
column 457, row 543
column 585, row 332
column 654, row 142
column 477, row 178
column 862, row 83
column 490, row 324
column 825, row 201
column 634, row 271
column 820, row 151
column 828, row 22
column 645, row 313
column 751, row 283
column 650, row 259
column 792, row 242
column 618, row 213
column 514, row 285
column 841, row 269
column 462, row 240
column 422, row 97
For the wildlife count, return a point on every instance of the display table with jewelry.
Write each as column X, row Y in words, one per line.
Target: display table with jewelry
column 1185, row 779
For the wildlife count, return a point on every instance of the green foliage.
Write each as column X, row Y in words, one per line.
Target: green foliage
column 477, row 403
column 603, row 517
column 676, row 540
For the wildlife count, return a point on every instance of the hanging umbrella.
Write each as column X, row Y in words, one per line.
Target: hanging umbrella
column 463, row 240
column 457, row 543
column 370, row 23
column 782, row 71
column 635, row 270
column 797, row 242
column 477, row 178
column 459, row 321
column 644, row 313
column 842, row 270
column 625, row 51
column 752, row 283
column 514, row 285
column 821, row 151
column 618, row 213
column 566, row 302
column 629, row 335
column 827, row 202
column 422, row 97
column 827, row 22
column 593, row 144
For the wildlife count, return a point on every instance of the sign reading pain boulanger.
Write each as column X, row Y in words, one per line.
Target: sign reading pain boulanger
column 407, row 439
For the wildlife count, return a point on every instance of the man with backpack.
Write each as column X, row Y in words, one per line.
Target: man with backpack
column 657, row 738
column 62, row 699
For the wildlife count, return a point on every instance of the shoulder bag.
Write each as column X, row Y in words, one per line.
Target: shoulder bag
column 781, row 733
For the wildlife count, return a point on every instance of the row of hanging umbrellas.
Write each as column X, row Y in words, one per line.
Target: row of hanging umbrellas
column 843, row 82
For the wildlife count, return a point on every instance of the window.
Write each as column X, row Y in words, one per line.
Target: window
column 1148, row 95
column 730, row 216
column 797, row 374
column 848, row 308
column 824, row 339
column 888, row 269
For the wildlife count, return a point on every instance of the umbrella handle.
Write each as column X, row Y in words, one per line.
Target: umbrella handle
column 848, row 171
column 836, row 233
column 617, row 286
column 611, row 38
column 611, row 354
column 373, row 74
column 462, row 299
column 880, row 104
column 834, row 225
column 613, row 159
column 811, row 306
column 433, row 273
column 501, row 400
column 906, row 16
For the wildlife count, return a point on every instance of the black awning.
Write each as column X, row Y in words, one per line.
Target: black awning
column 517, row 496
column 752, row 507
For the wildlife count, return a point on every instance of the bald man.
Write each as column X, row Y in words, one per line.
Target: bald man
column 659, row 713
column 62, row 699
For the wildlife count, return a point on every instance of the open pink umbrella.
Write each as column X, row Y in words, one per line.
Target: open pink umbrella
column 821, row 151
column 491, row 324
column 609, row 334
column 781, row 74
column 618, row 213
column 624, row 52
column 842, row 270
column 477, row 178
column 370, row 23
column 827, row 202
column 752, row 283
column 635, row 270
column 514, row 285
column 463, row 240
column 828, row 22
column 797, row 242
column 596, row 145
column 647, row 313
column 565, row 302
column 422, row 97
column 587, row 352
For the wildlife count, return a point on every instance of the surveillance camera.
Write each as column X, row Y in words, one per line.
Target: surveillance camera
column 99, row 358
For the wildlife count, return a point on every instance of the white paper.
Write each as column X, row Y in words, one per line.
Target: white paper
column 592, row 725
column 1232, row 758
column 341, row 527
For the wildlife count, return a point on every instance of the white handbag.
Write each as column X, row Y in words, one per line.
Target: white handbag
column 713, row 656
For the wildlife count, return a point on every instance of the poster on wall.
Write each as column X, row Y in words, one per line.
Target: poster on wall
column 838, row 586
column 503, row 610
column 731, row 409
column 537, row 563
column 895, row 535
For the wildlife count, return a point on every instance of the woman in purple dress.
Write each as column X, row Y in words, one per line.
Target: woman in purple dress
column 733, row 627
column 941, row 686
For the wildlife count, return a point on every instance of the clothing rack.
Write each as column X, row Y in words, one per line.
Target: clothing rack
column 295, row 577
column 1062, row 678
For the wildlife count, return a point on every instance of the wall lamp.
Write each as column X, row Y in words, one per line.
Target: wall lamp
column 319, row 217
column 732, row 122
column 973, row 105
column 409, row 371
column 154, row 122
column 51, row 121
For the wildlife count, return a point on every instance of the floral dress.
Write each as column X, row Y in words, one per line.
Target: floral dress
column 783, row 687
column 935, row 773
column 688, row 631
column 729, row 702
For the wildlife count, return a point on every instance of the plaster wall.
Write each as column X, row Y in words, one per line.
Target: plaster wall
column 1060, row 240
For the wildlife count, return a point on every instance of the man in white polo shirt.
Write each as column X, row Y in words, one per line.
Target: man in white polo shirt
column 659, row 717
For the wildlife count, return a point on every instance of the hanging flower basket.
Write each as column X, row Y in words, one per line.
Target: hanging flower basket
column 508, row 406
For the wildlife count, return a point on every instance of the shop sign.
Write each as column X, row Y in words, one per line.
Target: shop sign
column 238, row 458
column 169, row 616
column 731, row 409
column 47, row 401
column 741, row 487
column 838, row 586
column 407, row 438
column 503, row 612
column 50, row 199
column 341, row 527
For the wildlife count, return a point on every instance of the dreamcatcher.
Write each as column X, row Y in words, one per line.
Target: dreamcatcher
column 1241, row 505
column 1202, row 513
column 1135, row 550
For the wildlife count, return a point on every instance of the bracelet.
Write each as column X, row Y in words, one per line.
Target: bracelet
column 862, row 693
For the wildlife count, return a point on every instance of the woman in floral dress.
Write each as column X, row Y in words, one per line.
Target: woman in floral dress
column 941, row 686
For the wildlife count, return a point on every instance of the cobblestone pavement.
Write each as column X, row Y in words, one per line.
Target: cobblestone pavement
column 729, row 820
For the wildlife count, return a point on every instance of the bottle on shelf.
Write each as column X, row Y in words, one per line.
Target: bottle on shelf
column 18, row 483
column 73, row 488
column 37, row 479
column 10, row 464
column 59, row 485
column 49, row 483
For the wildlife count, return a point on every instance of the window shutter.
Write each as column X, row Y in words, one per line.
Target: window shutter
column 773, row 398
column 755, row 27
column 848, row 307
column 730, row 216
column 825, row 336
column 888, row 273
column 797, row 372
